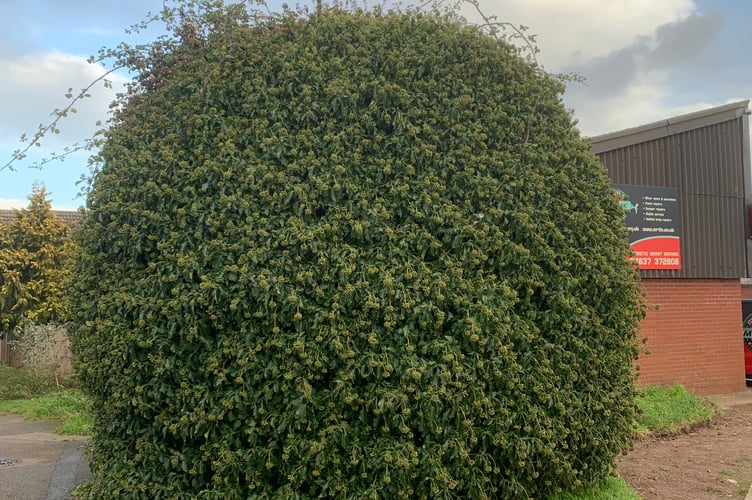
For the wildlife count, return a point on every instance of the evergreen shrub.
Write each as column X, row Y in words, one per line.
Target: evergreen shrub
column 351, row 255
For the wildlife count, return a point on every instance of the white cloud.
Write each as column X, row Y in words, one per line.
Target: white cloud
column 639, row 104
column 642, row 60
column 99, row 31
column 31, row 83
column 576, row 31
column 8, row 203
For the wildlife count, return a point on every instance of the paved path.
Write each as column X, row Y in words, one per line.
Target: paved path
column 36, row 464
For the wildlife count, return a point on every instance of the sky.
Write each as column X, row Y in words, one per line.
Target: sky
column 641, row 60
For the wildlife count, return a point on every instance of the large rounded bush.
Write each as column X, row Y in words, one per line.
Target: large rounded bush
column 352, row 255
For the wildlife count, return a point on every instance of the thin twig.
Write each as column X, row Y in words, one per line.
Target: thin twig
column 20, row 154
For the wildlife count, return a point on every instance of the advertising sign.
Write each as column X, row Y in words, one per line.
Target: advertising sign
column 654, row 220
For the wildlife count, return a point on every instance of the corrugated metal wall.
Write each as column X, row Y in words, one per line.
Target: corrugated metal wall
column 707, row 167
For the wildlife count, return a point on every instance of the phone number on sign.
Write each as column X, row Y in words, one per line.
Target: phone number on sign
column 657, row 261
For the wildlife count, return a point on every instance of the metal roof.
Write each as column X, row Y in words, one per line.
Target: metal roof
column 668, row 127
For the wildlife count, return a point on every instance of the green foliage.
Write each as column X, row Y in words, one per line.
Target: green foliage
column 613, row 488
column 67, row 407
column 667, row 409
column 34, row 265
column 351, row 255
column 17, row 383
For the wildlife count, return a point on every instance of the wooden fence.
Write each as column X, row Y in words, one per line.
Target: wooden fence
column 7, row 355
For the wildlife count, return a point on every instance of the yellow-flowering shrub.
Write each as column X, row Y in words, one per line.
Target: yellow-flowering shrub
column 351, row 255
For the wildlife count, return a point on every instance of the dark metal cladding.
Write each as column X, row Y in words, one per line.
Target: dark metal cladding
column 705, row 155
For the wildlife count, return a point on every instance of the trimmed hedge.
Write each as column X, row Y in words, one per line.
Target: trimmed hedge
column 352, row 255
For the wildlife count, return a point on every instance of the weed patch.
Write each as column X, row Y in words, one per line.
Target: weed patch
column 613, row 488
column 68, row 407
column 18, row 383
column 667, row 410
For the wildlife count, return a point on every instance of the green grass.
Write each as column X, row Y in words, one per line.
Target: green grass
column 671, row 409
column 67, row 407
column 613, row 488
column 40, row 396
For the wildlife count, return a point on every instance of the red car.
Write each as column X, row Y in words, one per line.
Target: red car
column 747, row 329
column 748, row 355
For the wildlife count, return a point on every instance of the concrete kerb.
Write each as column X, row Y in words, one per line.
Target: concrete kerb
column 734, row 399
column 66, row 474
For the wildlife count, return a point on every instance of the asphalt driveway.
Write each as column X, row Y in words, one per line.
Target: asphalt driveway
column 36, row 464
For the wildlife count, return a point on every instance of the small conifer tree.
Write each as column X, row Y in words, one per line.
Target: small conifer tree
column 35, row 253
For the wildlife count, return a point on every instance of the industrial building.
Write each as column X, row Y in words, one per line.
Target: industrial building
column 685, row 183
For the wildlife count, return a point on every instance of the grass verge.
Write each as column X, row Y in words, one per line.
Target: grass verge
column 671, row 409
column 67, row 407
column 613, row 488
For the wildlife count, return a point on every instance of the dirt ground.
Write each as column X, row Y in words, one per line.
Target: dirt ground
column 711, row 462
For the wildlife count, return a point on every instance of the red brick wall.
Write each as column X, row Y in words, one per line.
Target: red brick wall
column 694, row 336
